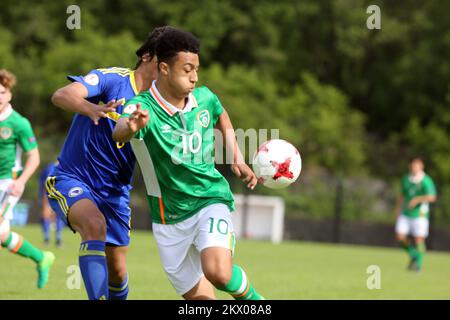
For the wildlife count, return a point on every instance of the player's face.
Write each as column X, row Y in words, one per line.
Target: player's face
column 5, row 97
column 416, row 166
column 183, row 73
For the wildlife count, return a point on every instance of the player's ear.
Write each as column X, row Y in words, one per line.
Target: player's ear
column 164, row 68
column 146, row 57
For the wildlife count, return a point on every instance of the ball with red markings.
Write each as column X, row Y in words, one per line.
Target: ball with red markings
column 277, row 164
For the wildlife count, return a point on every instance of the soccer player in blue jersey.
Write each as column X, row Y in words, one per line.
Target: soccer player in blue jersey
column 90, row 187
column 47, row 214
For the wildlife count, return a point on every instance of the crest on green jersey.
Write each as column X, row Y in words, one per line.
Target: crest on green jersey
column 5, row 133
column 204, row 118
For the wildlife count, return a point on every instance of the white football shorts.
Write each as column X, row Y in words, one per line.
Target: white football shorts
column 7, row 203
column 417, row 227
column 180, row 244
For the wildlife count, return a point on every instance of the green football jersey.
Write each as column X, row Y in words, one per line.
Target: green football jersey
column 411, row 190
column 16, row 136
column 175, row 152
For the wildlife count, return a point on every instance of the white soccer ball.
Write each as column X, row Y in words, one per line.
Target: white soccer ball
column 277, row 164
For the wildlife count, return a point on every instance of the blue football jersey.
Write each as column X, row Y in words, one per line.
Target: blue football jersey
column 89, row 152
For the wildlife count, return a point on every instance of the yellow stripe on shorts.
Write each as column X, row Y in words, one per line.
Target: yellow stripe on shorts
column 53, row 193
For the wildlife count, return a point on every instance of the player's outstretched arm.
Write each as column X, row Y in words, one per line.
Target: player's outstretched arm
column 127, row 127
column 238, row 165
column 73, row 98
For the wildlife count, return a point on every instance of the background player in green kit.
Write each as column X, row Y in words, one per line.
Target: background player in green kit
column 417, row 192
column 190, row 201
column 16, row 136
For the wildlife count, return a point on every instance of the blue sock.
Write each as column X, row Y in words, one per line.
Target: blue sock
column 59, row 227
column 94, row 269
column 46, row 222
column 119, row 291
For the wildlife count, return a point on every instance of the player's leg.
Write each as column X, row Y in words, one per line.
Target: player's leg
column 85, row 218
column 420, row 232
column 72, row 201
column 203, row 290
column 59, row 223
column 17, row 244
column 181, row 260
column 46, row 219
column 403, row 228
column 117, row 270
column 216, row 243
column 116, row 210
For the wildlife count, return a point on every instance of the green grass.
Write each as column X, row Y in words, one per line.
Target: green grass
column 292, row 270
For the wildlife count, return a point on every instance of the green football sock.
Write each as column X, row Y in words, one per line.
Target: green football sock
column 421, row 248
column 239, row 287
column 17, row 244
column 409, row 248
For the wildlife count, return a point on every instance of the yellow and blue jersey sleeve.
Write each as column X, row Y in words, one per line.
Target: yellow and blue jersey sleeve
column 100, row 82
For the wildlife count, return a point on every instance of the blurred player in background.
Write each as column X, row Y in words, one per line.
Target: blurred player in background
column 190, row 201
column 412, row 210
column 17, row 137
column 47, row 215
column 90, row 187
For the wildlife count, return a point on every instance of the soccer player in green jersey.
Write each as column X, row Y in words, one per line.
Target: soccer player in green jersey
column 412, row 210
column 171, row 130
column 16, row 137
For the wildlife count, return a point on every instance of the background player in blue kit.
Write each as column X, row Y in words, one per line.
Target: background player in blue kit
column 90, row 187
column 47, row 214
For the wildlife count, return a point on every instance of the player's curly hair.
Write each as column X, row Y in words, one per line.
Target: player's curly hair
column 149, row 44
column 7, row 79
column 174, row 40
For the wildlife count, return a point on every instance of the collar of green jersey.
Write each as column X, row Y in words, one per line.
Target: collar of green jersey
column 6, row 112
column 169, row 108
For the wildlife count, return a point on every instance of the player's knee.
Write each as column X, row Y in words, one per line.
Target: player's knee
column 4, row 237
column 117, row 275
column 94, row 229
column 219, row 277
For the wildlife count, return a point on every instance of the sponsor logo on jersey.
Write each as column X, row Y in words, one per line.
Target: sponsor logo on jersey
column 91, row 79
column 203, row 118
column 32, row 140
column 75, row 192
column 166, row 128
column 5, row 133
column 129, row 109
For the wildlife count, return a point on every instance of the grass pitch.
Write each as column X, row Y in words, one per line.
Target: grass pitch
column 291, row 270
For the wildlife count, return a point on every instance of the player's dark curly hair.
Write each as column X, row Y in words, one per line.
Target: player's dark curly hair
column 149, row 45
column 174, row 40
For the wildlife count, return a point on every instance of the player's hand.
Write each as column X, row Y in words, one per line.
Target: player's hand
column 17, row 188
column 413, row 203
column 101, row 111
column 246, row 174
column 138, row 119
